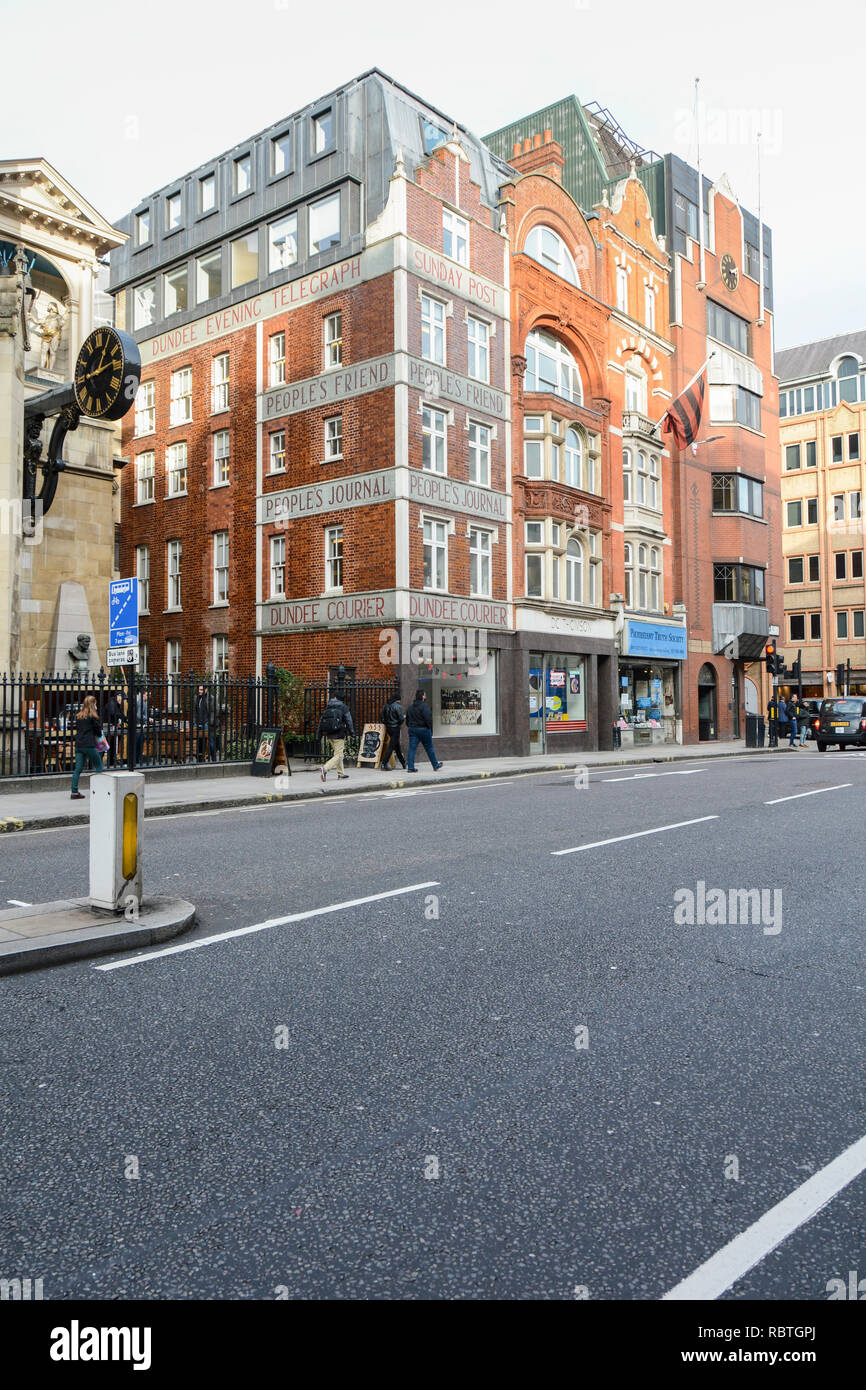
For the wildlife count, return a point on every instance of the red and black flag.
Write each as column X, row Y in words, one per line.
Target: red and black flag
column 683, row 420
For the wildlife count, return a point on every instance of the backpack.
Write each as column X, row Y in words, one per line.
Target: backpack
column 333, row 720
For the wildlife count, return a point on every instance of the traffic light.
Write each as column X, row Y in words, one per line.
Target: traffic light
column 840, row 676
column 770, row 658
column 795, row 671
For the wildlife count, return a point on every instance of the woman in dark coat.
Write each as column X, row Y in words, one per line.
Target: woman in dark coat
column 87, row 731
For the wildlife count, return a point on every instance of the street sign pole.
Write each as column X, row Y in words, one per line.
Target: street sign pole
column 131, row 718
column 123, row 649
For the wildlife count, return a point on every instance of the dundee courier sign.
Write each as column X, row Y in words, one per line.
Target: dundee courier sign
column 380, row 610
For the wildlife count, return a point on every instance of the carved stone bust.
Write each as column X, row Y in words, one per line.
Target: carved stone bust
column 80, row 653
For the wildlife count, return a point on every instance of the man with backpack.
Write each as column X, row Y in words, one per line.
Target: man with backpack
column 335, row 725
column 392, row 718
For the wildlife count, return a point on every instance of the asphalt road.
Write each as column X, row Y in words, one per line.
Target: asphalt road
column 391, row 1100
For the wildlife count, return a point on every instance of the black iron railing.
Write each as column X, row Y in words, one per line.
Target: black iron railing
column 174, row 725
column 365, row 700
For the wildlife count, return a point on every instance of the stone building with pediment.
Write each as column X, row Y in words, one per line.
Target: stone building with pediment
column 53, row 585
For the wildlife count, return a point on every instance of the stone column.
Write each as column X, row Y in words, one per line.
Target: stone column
column 13, row 344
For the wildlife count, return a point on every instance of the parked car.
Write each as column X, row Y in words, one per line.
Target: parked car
column 842, row 721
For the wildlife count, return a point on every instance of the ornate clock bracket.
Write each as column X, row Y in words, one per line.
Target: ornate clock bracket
column 60, row 402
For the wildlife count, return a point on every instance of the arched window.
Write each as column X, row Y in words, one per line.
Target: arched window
column 574, row 572
column 846, row 373
column 628, row 585
column 626, row 475
column 653, row 483
column 548, row 248
column 642, row 478
column 550, row 367
column 573, row 459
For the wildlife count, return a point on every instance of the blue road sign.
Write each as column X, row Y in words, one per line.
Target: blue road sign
column 123, row 613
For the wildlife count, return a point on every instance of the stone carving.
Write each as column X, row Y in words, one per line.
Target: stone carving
column 80, row 653
column 50, row 329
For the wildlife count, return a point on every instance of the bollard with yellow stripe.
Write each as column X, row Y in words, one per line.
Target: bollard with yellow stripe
column 116, row 819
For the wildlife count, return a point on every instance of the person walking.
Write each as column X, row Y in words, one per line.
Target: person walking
column 419, row 722
column 793, row 719
column 783, row 719
column 113, row 716
column 204, row 722
column 335, row 725
column 393, row 718
column 142, row 717
column 88, row 733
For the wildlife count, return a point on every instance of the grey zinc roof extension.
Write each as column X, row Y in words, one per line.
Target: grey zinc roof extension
column 813, row 359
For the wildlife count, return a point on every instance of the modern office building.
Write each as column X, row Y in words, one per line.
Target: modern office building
column 822, row 408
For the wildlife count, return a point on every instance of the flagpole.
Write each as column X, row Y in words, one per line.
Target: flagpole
column 702, row 275
column 698, row 373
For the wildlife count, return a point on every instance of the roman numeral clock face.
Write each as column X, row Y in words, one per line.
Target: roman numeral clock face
column 107, row 373
column 730, row 274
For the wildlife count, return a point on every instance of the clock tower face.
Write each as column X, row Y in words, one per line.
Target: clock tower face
column 107, row 373
column 730, row 273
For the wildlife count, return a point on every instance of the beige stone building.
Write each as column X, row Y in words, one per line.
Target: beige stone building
column 822, row 427
column 54, row 584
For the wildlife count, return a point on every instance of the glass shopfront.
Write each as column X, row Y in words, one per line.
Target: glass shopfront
column 557, row 697
column 462, row 697
column 648, row 704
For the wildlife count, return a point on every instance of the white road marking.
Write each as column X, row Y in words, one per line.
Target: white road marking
column 16, row 902
column 680, row 772
column 265, row 926
column 816, row 792
column 636, row 835
column 717, row 1274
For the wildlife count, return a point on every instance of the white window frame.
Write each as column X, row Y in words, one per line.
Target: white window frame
column 333, row 340
column 176, row 465
column 219, row 383
column 333, row 427
column 145, row 409
column 478, row 349
column 242, row 174
column 334, row 556
column 220, row 653
column 480, row 562
column 574, row 570
column 456, row 229
column 180, row 409
column 434, row 436
column 547, row 248
column 433, row 327
column 276, row 451
column 174, row 576
column 649, row 302
column 573, row 476
column 435, row 549
column 622, row 289
column 173, row 659
column 145, row 478
column 220, row 569
column 278, row 566
column 142, row 570
column 480, row 439
column 277, row 358
column 221, row 441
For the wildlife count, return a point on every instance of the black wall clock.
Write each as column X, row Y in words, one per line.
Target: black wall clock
column 107, row 373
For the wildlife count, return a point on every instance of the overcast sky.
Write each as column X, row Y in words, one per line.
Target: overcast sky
column 138, row 94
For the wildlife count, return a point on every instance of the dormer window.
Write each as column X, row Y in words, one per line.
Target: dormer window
column 243, row 174
column 173, row 212
column 323, row 131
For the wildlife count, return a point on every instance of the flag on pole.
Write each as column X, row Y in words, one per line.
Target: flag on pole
column 683, row 420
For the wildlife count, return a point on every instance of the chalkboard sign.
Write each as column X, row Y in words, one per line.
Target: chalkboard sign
column 372, row 742
column 270, row 756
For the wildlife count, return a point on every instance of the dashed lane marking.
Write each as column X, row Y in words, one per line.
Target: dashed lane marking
column 817, row 792
column 635, row 835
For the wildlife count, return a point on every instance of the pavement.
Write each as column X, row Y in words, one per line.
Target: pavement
column 45, row 803
column 454, row 1041
column 34, row 935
